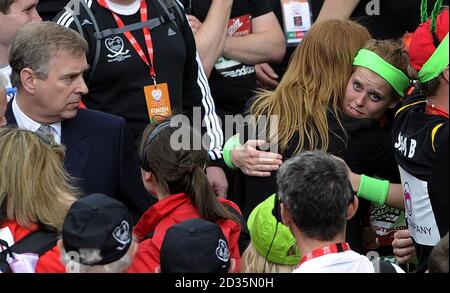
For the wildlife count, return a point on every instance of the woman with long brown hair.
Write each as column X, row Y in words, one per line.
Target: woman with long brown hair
column 324, row 102
column 306, row 103
column 174, row 171
column 315, row 79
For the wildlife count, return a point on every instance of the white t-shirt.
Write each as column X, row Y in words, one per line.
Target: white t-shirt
column 127, row 9
column 341, row 262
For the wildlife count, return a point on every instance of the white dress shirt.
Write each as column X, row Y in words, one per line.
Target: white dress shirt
column 25, row 122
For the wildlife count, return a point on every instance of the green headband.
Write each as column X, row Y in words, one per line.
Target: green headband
column 395, row 77
column 263, row 226
column 436, row 63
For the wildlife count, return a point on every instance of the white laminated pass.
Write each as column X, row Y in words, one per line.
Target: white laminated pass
column 297, row 20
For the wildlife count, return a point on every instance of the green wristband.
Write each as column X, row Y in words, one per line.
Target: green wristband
column 374, row 190
column 230, row 145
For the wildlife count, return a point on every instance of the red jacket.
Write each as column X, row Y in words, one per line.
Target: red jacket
column 160, row 217
column 49, row 262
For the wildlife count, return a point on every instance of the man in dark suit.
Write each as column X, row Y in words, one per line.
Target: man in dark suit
column 48, row 62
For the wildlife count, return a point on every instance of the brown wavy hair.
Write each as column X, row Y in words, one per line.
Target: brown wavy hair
column 182, row 170
column 315, row 80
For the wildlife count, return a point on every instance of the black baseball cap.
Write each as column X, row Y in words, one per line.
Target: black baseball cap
column 98, row 221
column 194, row 246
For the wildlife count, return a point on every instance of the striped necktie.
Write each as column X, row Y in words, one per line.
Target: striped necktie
column 45, row 131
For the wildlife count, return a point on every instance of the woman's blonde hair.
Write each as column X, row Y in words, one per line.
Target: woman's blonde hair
column 315, row 80
column 34, row 187
column 253, row 262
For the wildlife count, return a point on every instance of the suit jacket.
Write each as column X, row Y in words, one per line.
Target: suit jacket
column 101, row 156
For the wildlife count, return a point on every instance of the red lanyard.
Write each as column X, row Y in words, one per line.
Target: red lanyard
column 433, row 110
column 132, row 39
column 337, row 247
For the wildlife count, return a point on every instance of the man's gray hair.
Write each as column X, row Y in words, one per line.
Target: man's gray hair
column 93, row 255
column 315, row 189
column 37, row 42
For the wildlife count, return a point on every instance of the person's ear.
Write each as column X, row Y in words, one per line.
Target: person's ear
column 147, row 176
column 150, row 182
column 352, row 208
column 60, row 245
column 445, row 74
column 285, row 215
column 28, row 78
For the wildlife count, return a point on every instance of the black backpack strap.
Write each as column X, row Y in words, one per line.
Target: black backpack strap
column 188, row 7
column 4, row 266
column 169, row 6
column 151, row 24
column 98, row 43
column 87, row 18
column 387, row 268
column 76, row 20
column 38, row 242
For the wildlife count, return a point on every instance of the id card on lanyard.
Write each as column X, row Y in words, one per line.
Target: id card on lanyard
column 156, row 95
column 297, row 20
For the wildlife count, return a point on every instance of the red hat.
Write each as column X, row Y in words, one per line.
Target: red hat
column 422, row 45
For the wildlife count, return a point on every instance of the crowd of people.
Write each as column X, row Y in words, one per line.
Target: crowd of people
column 117, row 154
